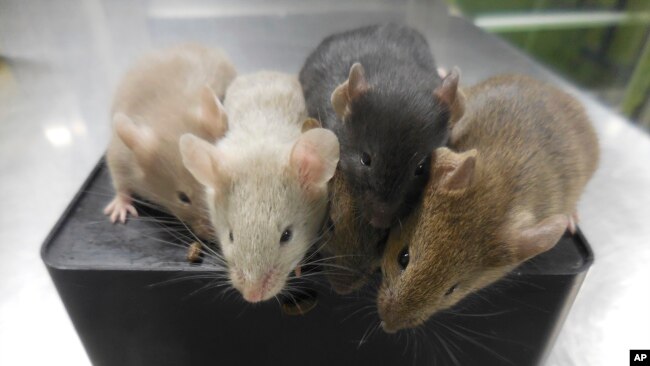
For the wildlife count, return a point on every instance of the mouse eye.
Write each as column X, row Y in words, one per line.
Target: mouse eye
column 182, row 196
column 419, row 169
column 230, row 236
column 403, row 258
column 286, row 235
column 451, row 290
column 365, row 159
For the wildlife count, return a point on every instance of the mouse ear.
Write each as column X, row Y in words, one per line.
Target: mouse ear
column 349, row 91
column 213, row 117
column 200, row 158
column 528, row 242
column 453, row 172
column 310, row 123
column 449, row 95
column 139, row 139
column 314, row 158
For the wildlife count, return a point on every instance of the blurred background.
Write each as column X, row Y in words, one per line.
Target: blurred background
column 60, row 61
column 601, row 45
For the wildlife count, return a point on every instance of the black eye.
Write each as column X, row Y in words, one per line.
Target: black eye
column 230, row 236
column 403, row 258
column 451, row 290
column 419, row 169
column 365, row 159
column 184, row 198
column 286, row 235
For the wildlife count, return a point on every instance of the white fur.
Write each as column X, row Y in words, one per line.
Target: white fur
column 258, row 194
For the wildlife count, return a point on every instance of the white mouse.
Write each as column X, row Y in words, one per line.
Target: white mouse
column 166, row 94
column 266, row 181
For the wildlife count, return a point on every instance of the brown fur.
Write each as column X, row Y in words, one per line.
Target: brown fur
column 535, row 151
column 353, row 248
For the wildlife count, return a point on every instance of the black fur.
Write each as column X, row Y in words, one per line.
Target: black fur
column 398, row 121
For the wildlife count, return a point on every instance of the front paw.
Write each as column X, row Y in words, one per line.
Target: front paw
column 119, row 208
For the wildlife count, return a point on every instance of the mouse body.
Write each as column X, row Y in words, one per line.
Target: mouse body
column 520, row 157
column 352, row 249
column 266, row 181
column 378, row 89
column 166, row 94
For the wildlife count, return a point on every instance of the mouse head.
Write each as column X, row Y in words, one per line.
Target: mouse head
column 353, row 247
column 267, row 206
column 163, row 178
column 457, row 242
column 390, row 125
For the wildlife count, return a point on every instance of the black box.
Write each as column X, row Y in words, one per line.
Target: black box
column 133, row 301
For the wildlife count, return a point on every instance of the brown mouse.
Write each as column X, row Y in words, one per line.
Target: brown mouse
column 523, row 153
column 166, row 94
column 352, row 251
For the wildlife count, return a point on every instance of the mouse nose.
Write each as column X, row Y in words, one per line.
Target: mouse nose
column 257, row 290
column 381, row 215
column 391, row 321
column 254, row 295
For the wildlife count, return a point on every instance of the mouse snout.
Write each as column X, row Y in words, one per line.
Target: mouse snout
column 381, row 215
column 392, row 319
column 259, row 288
column 389, row 321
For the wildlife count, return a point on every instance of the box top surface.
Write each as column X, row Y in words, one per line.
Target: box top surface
column 85, row 239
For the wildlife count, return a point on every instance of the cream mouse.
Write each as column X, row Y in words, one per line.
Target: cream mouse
column 522, row 154
column 352, row 248
column 266, row 181
column 166, row 94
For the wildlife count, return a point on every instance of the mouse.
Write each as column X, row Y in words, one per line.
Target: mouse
column 352, row 248
column 378, row 89
column 502, row 192
column 266, row 181
column 166, row 94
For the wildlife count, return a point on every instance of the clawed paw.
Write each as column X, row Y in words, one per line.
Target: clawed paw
column 119, row 208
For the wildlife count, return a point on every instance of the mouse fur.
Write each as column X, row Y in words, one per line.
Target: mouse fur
column 522, row 154
column 265, row 178
column 352, row 249
column 166, row 94
column 378, row 89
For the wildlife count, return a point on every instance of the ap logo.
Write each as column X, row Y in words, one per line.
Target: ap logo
column 639, row 357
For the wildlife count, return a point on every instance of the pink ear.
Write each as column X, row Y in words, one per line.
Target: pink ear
column 454, row 170
column 314, row 158
column 351, row 89
column 449, row 94
column 139, row 139
column 200, row 159
column 529, row 242
column 213, row 119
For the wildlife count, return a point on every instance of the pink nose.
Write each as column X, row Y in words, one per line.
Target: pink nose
column 258, row 290
column 254, row 295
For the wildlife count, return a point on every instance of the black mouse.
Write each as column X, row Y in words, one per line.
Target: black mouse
column 378, row 89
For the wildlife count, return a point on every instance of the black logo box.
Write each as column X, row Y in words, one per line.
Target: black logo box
column 639, row 357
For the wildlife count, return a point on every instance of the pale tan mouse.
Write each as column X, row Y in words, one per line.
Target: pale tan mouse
column 166, row 94
column 266, row 181
column 524, row 152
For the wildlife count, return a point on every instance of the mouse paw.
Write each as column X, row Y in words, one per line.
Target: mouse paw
column 573, row 221
column 119, row 208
